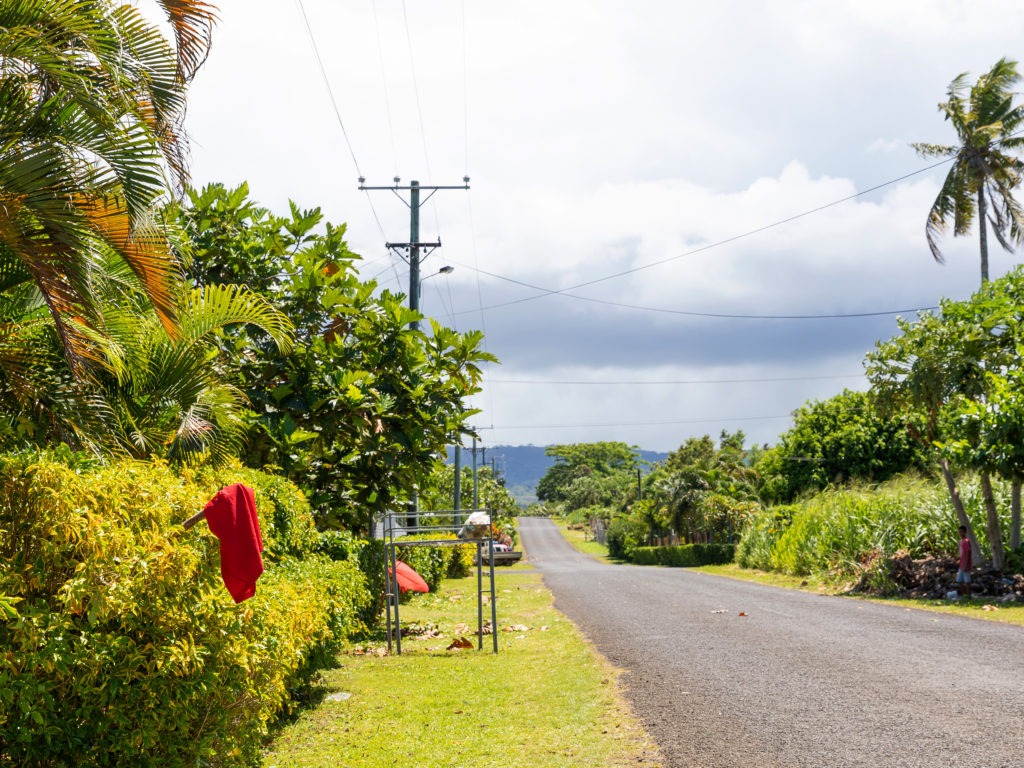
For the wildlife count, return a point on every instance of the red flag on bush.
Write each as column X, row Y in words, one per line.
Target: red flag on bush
column 231, row 515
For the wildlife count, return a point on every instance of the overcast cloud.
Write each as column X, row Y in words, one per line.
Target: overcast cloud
column 634, row 241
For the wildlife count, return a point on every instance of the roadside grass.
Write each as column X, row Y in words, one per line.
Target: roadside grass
column 976, row 608
column 581, row 541
column 545, row 700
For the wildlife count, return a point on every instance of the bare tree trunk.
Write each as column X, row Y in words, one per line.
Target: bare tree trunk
column 1015, row 515
column 995, row 532
column 983, row 233
column 958, row 506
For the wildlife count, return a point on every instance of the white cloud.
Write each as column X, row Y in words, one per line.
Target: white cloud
column 603, row 137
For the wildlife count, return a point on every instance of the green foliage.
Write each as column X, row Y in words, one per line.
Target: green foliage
column 840, row 440
column 369, row 555
column 759, row 535
column 684, row 556
column 625, row 534
column 838, row 533
column 357, row 410
column 579, row 470
column 127, row 649
column 701, row 492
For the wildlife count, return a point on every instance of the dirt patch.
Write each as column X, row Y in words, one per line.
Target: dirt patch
column 934, row 577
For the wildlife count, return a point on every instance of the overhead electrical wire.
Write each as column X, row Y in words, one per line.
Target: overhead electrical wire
column 387, row 94
column 677, row 382
column 337, row 114
column 419, row 109
column 789, row 219
column 658, row 423
column 690, row 313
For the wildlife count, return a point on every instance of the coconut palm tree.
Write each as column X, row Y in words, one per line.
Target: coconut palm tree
column 92, row 96
column 984, row 174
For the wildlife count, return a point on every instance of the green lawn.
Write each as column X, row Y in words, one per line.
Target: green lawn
column 545, row 700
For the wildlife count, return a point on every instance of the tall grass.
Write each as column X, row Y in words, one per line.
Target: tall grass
column 838, row 530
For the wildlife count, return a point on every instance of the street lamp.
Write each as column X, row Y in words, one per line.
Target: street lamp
column 445, row 270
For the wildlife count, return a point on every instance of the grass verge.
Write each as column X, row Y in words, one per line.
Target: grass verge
column 545, row 700
column 977, row 608
column 581, row 540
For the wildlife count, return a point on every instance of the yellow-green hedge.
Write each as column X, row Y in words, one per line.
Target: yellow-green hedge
column 127, row 649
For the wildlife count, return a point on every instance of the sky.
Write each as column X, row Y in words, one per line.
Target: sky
column 682, row 217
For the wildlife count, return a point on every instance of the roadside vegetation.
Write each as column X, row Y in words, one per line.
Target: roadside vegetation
column 158, row 342
column 545, row 700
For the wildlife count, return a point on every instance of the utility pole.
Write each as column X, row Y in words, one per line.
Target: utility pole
column 476, row 489
column 414, row 246
column 457, row 496
column 413, row 249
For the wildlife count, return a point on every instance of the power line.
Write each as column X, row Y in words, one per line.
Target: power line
column 419, row 107
column 660, row 422
column 337, row 114
column 688, row 313
column 387, row 95
column 679, row 381
column 565, row 291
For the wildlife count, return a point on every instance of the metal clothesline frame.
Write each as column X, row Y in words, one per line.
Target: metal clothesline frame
column 448, row 522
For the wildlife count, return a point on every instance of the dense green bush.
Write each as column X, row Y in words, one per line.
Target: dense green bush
column 624, row 535
column 758, row 538
column 838, row 531
column 127, row 649
column 685, row 555
column 369, row 556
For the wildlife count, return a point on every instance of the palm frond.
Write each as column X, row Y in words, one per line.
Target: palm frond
column 213, row 307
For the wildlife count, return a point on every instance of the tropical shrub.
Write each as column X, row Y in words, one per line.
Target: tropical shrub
column 839, row 531
column 685, row 555
column 127, row 649
column 625, row 534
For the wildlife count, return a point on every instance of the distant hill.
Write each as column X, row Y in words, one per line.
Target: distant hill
column 522, row 466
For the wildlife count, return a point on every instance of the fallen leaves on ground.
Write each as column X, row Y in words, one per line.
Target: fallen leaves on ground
column 368, row 651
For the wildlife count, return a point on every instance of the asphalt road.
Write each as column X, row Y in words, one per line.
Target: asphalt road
column 724, row 673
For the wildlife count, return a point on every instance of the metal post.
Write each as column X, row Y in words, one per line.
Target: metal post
column 457, row 496
column 414, row 250
column 476, row 490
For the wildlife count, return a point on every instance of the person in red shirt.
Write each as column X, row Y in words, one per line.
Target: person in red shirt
column 963, row 574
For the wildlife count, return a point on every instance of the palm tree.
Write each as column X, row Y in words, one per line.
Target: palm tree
column 155, row 396
column 91, row 102
column 984, row 174
column 174, row 399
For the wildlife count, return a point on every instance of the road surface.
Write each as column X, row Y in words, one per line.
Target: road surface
column 725, row 673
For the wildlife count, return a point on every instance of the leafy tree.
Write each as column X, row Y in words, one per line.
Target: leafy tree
column 358, row 409
column 838, row 440
column 156, row 395
column 582, row 460
column 957, row 368
column 702, row 488
column 981, row 181
column 982, row 429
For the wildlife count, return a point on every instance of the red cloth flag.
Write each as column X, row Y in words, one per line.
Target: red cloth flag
column 231, row 515
column 407, row 578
